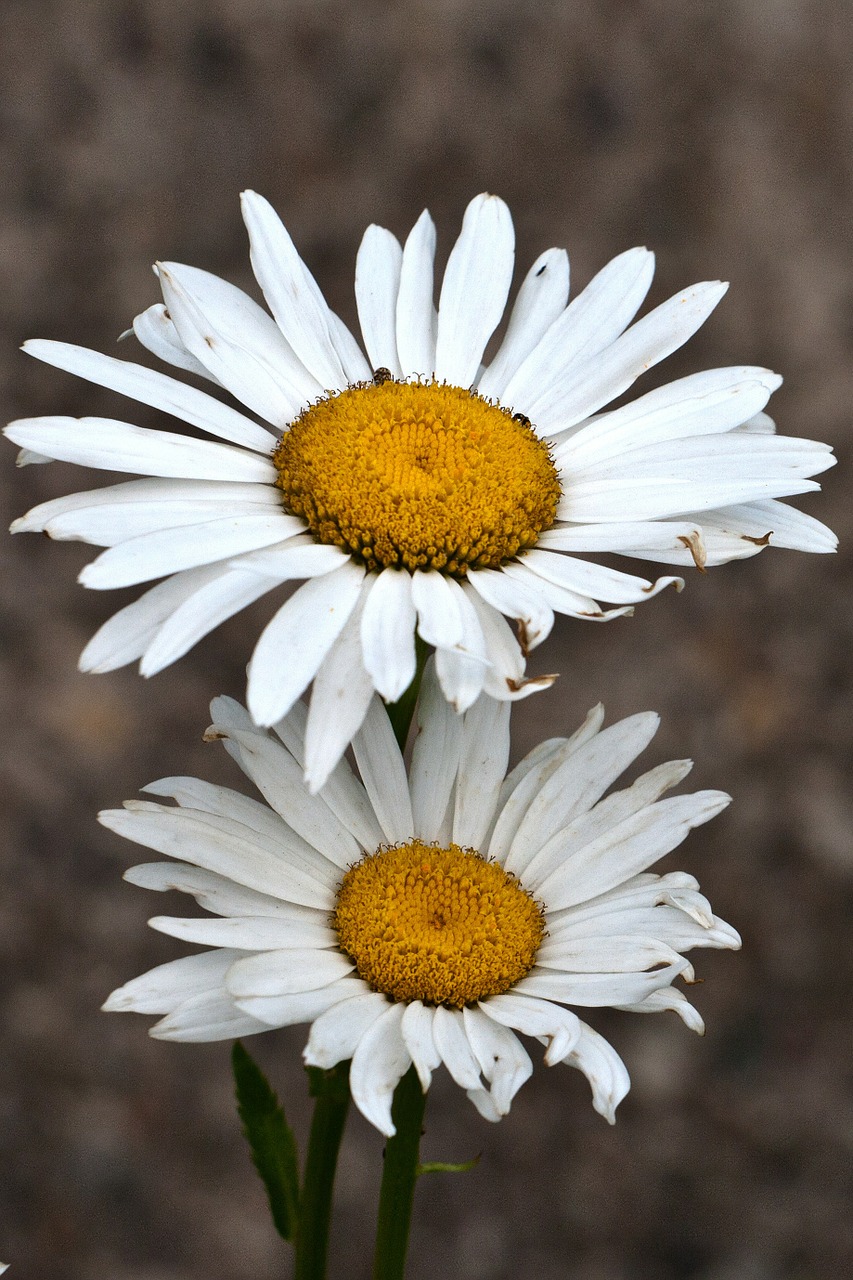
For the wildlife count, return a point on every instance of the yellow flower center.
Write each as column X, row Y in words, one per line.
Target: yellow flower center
column 439, row 925
column 418, row 475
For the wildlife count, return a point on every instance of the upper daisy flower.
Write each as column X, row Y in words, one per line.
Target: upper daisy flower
column 417, row 488
column 427, row 918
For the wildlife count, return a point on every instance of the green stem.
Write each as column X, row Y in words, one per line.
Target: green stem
column 398, row 1179
column 400, row 712
column 331, row 1089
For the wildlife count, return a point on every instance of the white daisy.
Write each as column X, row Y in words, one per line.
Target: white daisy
column 426, row 918
column 415, row 488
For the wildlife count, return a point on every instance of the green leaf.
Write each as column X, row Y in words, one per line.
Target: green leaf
column 270, row 1139
column 440, row 1166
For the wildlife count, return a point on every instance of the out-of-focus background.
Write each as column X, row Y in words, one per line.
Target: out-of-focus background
column 720, row 136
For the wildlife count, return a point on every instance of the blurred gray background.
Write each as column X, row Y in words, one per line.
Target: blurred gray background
column 720, row 135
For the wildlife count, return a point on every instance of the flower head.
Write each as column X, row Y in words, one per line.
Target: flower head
column 415, row 488
column 428, row 918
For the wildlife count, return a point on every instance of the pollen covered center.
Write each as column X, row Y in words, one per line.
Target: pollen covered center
column 418, row 475
column 439, row 925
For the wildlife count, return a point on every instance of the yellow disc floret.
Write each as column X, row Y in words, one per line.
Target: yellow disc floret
column 418, row 475
column 439, row 925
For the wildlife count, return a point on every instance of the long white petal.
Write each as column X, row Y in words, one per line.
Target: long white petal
column 339, row 700
column 204, row 1019
column 384, row 774
column 505, row 679
column 542, row 297
column 502, row 1058
column 205, row 609
column 535, row 1017
column 297, row 640
column 155, row 329
column 474, row 290
column 153, row 555
column 435, row 757
column 461, row 671
column 513, row 598
column 247, row 933
column 482, row 765
column 416, row 1029
column 451, row 1042
column 604, row 1070
column 595, row 319
column 162, row 989
column 440, row 621
column 593, row 579
column 378, row 1065
column 335, row 1035
column 291, row 292
column 126, row 635
column 703, row 403
column 416, row 317
column 300, row 1006
column 596, row 380
column 388, row 633
column 155, row 389
column 377, row 284
column 237, row 341
column 281, row 973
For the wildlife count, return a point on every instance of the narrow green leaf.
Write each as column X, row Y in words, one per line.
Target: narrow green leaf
column 440, row 1166
column 270, row 1140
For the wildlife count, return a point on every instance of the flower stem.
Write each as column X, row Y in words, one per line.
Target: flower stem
column 331, row 1089
column 400, row 712
column 398, row 1179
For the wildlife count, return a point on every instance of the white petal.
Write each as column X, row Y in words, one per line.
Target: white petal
column 440, row 620
column 108, row 524
column 378, row 1065
column 613, row 953
column 694, row 475
column 298, row 556
column 302, row 1006
column 377, row 284
column 570, row 833
column 384, row 774
column 650, row 536
column 156, row 330
column 117, row 446
column 247, row 933
column 505, row 678
column 474, row 290
column 451, row 1042
column 579, row 779
column 297, row 640
column 281, row 973
column 596, row 380
column 217, row 893
column 482, row 766
column 237, row 341
column 595, row 319
column 503, row 1060
column 669, row 999
column 335, row 1035
column 206, row 1018
column 155, row 389
column 529, row 778
column 416, row 1029
column 153, row 555
column 164, row 988
column 511, row 597
column 278, row 777
column 542, row 297
column 416, row 318
column 339, row 701
column 231, row 850
column 592, row 579
column 291, row 292
column 704, row 403
column 388, row 633
column 461, row 671
column 126, row 635
column 435, row 757
column 595, row 989
column 630, row 847
column 534, row 1017
column 604, row 1070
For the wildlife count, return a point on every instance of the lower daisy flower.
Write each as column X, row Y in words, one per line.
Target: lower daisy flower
column 418, row 488
column 432, row 917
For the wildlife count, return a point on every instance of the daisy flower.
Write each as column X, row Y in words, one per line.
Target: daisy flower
column 427, row 918
column 422, row 487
